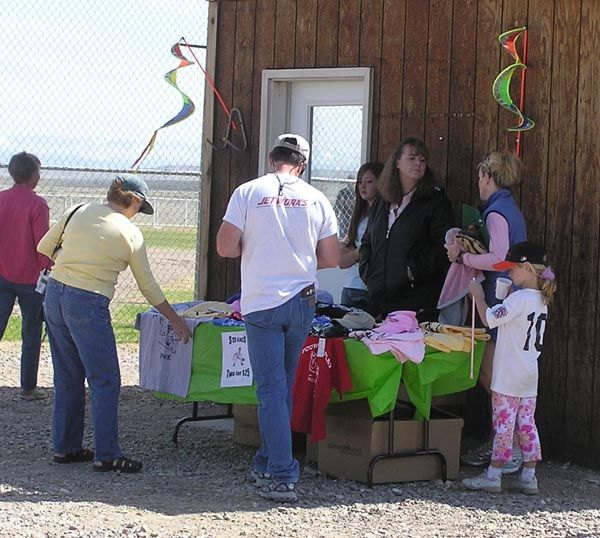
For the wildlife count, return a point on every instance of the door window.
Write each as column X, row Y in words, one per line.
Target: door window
column 332, row 109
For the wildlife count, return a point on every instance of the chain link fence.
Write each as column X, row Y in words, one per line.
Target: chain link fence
column 84, row 89
column 336, row 156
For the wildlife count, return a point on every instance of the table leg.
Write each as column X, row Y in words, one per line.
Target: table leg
column 391, row 454
column 196, row 417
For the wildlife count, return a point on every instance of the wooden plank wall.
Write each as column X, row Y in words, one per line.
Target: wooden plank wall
column 434, row 62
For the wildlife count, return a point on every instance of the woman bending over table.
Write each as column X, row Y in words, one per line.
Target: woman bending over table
column 99, row 241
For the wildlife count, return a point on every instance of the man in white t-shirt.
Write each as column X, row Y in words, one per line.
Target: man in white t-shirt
column 284, row 229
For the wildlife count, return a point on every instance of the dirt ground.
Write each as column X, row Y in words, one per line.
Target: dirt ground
column 200, row 487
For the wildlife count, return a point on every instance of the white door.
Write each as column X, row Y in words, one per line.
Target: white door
column 331, row 108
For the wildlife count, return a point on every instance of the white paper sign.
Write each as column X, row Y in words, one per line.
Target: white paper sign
column 321, row 348
column 235, row 361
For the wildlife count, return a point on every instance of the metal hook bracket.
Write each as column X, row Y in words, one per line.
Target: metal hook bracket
column 234, row 119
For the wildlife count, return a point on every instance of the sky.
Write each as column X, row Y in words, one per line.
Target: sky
column 83, row 82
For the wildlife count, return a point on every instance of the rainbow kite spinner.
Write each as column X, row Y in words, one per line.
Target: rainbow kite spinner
column 187, row 107
column 501, row 86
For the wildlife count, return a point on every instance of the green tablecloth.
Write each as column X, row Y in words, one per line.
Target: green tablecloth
column 205, row 380
column 374, row 377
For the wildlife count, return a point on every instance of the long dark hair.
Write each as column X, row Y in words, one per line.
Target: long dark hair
column 361, row 207
column 389, row 185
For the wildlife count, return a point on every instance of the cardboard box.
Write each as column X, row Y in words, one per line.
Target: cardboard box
column 312, row 451
column 245, row 425
column 354, row 438
column 246, row 432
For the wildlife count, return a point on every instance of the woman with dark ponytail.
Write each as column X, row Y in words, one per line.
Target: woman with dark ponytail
column 354, row 292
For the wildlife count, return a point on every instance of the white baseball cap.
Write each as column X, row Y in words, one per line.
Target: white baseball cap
column 294, row 142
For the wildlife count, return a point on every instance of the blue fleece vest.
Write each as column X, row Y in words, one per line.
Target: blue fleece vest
column 503, row 202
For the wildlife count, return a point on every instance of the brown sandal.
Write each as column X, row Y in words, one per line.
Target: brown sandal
column 120, row 465
column 85, row 454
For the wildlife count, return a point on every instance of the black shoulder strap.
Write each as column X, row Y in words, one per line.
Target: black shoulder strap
column 59, row 243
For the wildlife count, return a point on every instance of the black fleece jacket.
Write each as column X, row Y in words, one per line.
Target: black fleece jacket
column 404, row 268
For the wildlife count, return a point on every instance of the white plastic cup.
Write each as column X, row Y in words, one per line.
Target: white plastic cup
column 502, row 287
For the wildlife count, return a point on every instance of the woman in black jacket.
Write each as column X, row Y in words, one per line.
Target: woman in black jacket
column 402, row 256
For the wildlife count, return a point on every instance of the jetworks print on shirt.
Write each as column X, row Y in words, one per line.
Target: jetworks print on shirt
column 282, row 201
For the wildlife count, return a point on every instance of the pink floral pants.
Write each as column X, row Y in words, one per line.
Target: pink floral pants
column 508, row 412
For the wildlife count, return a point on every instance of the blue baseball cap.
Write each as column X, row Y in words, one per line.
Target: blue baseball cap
column 323, row 296
column 139, row 187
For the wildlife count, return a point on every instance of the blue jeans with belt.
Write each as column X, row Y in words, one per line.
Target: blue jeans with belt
column 30, row 303
column 83, row 346
column 275, row 339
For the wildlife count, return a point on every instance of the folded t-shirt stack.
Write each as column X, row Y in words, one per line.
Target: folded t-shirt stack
column 399, row 334
column 208, row 309
column 333, row 320
column 447, row 338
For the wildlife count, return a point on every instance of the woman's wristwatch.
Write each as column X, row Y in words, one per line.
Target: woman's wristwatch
column 459, row 258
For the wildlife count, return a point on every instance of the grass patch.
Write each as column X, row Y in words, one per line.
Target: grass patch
column 123, row 318
column 13, row 329
column 184, row 238
column 124, row 315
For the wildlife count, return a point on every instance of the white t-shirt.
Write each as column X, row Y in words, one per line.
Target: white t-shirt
column 521, row 321
column 353, row 279
column 279, row 237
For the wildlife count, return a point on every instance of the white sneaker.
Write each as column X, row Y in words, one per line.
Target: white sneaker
column 484, row 482
column 260, row 479
column 528, row 488
column 514, row 464
column 283, row 492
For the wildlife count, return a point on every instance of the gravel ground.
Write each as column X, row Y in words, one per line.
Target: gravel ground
column 199, row 488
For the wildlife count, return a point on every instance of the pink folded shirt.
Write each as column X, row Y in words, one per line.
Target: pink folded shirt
column 399, row 334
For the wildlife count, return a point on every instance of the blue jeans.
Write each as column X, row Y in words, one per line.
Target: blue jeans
column 30, row 303
column 83, row 346
column 275, row 340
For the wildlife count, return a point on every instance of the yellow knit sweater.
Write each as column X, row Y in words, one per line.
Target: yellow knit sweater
column 98, row 244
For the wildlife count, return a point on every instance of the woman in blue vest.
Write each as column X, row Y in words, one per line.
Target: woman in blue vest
column 498, row 172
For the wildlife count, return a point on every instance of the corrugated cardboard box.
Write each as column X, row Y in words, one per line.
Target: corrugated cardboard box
column 246, row 432
column 245, row 425
column 354, row 438
column 312, row 451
